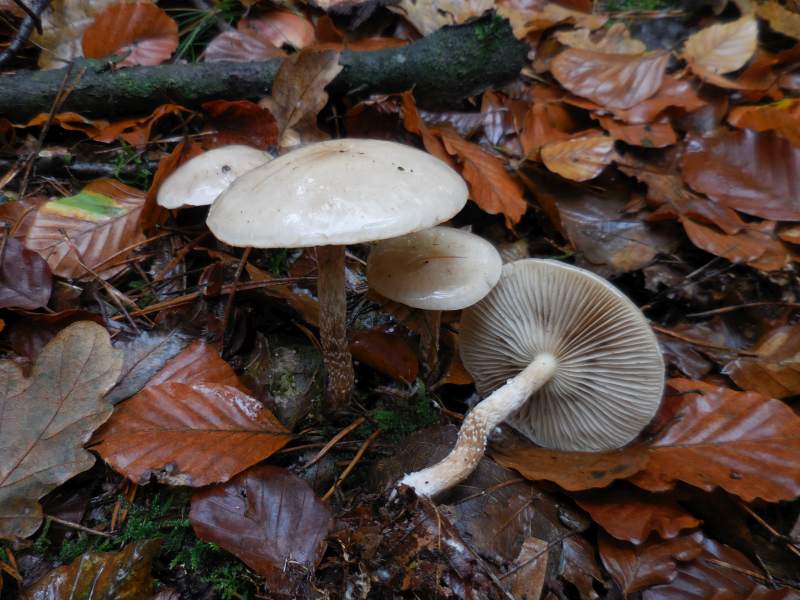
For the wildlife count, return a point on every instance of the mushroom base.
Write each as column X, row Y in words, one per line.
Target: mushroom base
column 477, row 426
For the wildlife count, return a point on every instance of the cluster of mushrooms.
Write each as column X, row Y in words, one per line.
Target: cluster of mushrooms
column 555, row 351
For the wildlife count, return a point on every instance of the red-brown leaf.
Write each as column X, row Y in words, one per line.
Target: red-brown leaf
column 616, row 81
column 141, row 28
column 279, row 28
column 775, row 371
column 579, row 159
column 782, row 116
column 241, row 122
column 388, row 353
column 25, row 278
column 240, row 47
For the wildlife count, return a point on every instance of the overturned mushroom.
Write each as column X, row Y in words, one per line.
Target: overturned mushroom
column 563, row 356
column 436, row 269
column 199, row 181
column 330, row 194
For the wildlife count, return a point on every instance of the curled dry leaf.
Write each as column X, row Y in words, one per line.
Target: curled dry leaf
column 755, row 173
column 615, row 81
column 123, row 575
column 239, row 47
column 429, row 15
column 267, row 517
column 526, row 17
column 25, row 278
column 722, row 48
column 141, row 30
column 135, row 131
column 579, row 159
column 779, row 18
column 614, row 40
column 280, row 28
column 775, row 370
column 94, row 229
column 46, row 418
column 783, row 117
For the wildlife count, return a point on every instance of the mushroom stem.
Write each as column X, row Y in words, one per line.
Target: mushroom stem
column 477, row 426
column 333, row 325
column 429, row 342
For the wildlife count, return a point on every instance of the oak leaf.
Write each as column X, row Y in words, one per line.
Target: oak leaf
column 46, row 418
column 722, row 48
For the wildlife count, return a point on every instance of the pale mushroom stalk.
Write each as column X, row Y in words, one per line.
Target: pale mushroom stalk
column 477, row 426
column 331, row 291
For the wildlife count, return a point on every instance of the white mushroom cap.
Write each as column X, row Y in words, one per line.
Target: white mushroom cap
column 199, row 181
column 434, row 269
column 610, row 373
column 337, row 192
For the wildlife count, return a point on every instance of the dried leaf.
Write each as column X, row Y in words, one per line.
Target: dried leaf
column 199, row 362
column 672, row 93
column 46, row 418
column 526, row 17
column 298, row 93
column 635, row 568
column 280, row 28
column 544, row 123
column 25, row 278
column 578, row 566
column 579, row 159
column 631, row 515
column 649, row 135
column 136, row 131
column 93, row 229
column 239, row 47
column 615, row 81
column 141, row 30
column 387, row 353
column 241, row 122
column 779, row 18
column 267, row 517
column 429, row 15
column 783, row 117
column 615, row 40
column 748, row 171
column 123, row 575
column 528, row 579
column 722, row 48
column 775, row 370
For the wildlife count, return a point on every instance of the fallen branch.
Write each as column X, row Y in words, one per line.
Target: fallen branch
column 31, row 21
column 443, row 68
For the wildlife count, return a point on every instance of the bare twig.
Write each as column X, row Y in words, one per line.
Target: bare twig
column 79, row 527
column 326, row 448
column 349, row 468
column 27, row 26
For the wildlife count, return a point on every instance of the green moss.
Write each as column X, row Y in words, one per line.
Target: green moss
column 642, row 5
column 402, row 418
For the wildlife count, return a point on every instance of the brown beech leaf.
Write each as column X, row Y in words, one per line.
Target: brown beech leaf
column 672, row 93
column 141, row 30
column 779, row 18
column 751, row 172
column 136, row 131
column 240, row 47
column 280, row 28
column 544, row 123
column 46, row 418
column 298, row 94
column 615, row 81
column 241, row 122
column 429, row 15
column 188, row 434
column 775, row 370
column 90, row 230
column 491, row 186
column 635, row 568
column 783, row 117
column 722, row 48
column 267, row 517
column 388, row 353
column 25, row 278
column 579, row 159
column 649, row 135
column 614, row 40
column 199, row 362
column 526, row 17
column 123, row 575
column 631, row 515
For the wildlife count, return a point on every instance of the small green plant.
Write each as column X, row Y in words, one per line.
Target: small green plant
column 128, row 156
column 403, row 418
column 73, row 548
column 197, row 26
column 635, row 5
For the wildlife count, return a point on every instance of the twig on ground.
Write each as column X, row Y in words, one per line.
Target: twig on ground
column 29, row 23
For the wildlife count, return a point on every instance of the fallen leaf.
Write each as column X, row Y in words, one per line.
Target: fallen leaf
column 491, row 187
column 46, row 418
column 280, row 28
column 153, row 214
column 30, row 335
column 775, row 370
column 141, row 30
column 267, row 517
column 136, row 131
column 239, row 47
column 722, row 48
column 25, row 278
column 544, row 123
column 579, row 566
column 748, row 171
column 635, row 568
column 387, row 353
column 527, row 17
column 199, row 362
column 429, row 15
column 528, row 579
column 615, row 81
column 579, row 159
column 783, row 117
column 614, row 40
column 298, row 94
column 631, row 515
column 672, row 93
column 123, row 575
column 93, row 229
column 648, row 135
column 241, row 122
column 779, row 18
column 70, row 121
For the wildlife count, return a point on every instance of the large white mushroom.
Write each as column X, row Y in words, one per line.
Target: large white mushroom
column 331, row 194
column 563, row 356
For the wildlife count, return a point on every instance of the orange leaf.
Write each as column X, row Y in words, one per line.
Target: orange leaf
column 545, row 122
column 136, row 131
column 141, row 29
column 782, row 116
column 649, row 135
column 673, row 92
column 579, row 159
column 775, row 371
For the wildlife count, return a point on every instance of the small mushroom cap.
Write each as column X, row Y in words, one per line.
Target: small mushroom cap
column 435, row 269
column 199, row 181
column 337, row 192
column 610, row 374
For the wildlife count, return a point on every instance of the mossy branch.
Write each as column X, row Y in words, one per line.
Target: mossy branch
column 443, row 68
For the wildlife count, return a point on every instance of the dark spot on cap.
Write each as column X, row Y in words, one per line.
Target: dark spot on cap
column 226, row 168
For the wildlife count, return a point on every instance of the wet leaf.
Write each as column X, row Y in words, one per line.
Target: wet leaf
column 123, row 575
column 615, row 81
column 648, row 135
column 430, row 15
column 199, row 362
column 579, row 159
column 528, row 580
column 387, row 353
column 141, row 30
column 748, row 171
column 672, row 93
column 298, row 94
column 267, row 517
column 240, row 47
column 635, row 568
column 544, row 123
column 46, row 418
column 578, row 565
column 631, row 515
column 25, row 278
column 783, row 117
column 280, row 28
column 775, row 370
column 614, row 40
column 241, row 122
column 722, row 48
column 94, row 229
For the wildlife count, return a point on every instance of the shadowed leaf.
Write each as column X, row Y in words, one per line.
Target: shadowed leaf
column 25, row 279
